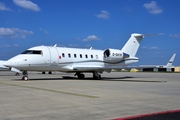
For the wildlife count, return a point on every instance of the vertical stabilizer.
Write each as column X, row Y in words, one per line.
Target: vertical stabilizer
column 133, row 44
column 171, row 60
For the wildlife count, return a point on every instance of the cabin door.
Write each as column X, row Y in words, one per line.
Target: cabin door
column 54, row 56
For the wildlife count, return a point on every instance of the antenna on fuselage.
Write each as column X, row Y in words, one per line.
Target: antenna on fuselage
column 55, row 45
column 90, row 48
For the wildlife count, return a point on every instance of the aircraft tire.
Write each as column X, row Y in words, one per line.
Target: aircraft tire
column 98, row 77
column 81, row 76
column 25, row 78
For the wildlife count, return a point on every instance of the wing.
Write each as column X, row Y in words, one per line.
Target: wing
column 87, row 68
column 100, row 69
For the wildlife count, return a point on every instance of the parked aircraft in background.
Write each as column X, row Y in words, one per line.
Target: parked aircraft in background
column 168, row 65
column 47, row 58
column 4, row 68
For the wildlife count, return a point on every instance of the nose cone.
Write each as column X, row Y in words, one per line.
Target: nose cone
column 13, row 62
column 18, row 62
column 8, row 64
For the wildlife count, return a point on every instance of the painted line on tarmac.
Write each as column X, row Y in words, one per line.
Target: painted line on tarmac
column 50, row 90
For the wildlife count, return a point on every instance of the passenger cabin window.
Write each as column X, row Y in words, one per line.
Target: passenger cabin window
column 91, row 56
column 63, row 55
column 75, row 56
column 69, row 55
column 96, row 56
column 36, row 52
column 80, row 55
column 86, row 56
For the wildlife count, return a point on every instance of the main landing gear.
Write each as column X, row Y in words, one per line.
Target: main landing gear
column 25, row 75
column 96, row 76
column 80, row 75
column 43, row 72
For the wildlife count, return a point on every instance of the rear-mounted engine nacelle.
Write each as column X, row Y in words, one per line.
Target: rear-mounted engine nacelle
column 114, row 55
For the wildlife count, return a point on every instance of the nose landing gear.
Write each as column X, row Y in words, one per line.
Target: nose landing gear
column 25, row 76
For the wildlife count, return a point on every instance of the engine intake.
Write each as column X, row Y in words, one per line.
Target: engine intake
column 114, row 55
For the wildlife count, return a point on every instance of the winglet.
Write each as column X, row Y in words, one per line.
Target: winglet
column 55, row 45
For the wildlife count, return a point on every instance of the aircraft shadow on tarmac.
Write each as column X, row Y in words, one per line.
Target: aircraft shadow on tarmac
column 122, row 79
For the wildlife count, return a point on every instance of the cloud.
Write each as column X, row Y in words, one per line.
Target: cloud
column 6, row 45
column 175, row 35
column 43, row 30
column 16, row 45
column 154, row 48
column 104, row 14
column 144, row 47
column 153, row 8
column 3, row 6
column 27, row 4
column 127, row 9
column 14, row 33
column 158, row 52
column 73, row 45
column 91, row 38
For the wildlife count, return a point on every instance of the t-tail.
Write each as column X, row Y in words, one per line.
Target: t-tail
column 132, row 45
column 171, row 60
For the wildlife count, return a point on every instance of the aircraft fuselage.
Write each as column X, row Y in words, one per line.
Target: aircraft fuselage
column 46, row 58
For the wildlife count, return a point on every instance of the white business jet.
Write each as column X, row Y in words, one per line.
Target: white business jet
column 47, row 58
column 4, row 68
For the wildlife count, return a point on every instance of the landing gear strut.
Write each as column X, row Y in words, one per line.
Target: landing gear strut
column 80, row 75
column 96, row 76
column 25, row 75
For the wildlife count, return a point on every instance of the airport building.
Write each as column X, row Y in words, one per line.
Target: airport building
column 158, row 69
column 154, row 69
column 177, row 69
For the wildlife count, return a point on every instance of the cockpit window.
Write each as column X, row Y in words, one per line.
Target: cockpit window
column 37, row 52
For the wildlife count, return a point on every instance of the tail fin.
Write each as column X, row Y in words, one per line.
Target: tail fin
column 132, row 44
column 171, row 60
